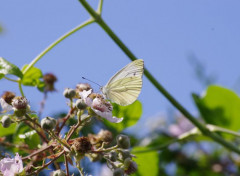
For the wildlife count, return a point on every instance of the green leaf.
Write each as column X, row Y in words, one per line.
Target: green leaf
column 26, row 135
column 147, row 161
column 219, row 106
column 130, row 114
column 32, row 77
column 9, row 68
column 7, row 131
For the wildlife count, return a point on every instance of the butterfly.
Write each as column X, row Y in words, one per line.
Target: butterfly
column 125, row 86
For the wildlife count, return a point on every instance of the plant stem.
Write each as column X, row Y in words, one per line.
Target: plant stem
column 9, row 79
column 34, row 61
column 20, row 88
column 160, row 88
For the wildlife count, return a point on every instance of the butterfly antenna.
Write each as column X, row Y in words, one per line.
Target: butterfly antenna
column 92, row 81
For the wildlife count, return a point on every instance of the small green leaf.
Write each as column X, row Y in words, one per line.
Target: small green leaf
column 9, row 68
column 130, row 114
column 219, row 106
column 32, row 77
column 7, row 131
column 147, row 161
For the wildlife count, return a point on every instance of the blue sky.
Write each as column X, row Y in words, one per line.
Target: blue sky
column 162, row 32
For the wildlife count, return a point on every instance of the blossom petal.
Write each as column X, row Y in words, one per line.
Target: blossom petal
column 84, row 95
column 9, row 167
column 108, row 115
column 5, row 106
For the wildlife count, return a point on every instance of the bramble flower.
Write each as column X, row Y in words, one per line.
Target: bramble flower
column 10, row 167
column 99, row 105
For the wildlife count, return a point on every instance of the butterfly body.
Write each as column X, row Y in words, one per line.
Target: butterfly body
column 125, row 86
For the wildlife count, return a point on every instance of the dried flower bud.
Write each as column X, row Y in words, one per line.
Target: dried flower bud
column 83, row 86
column 124, row 154
column 82, row 145
column 80, row 104
column 69, row 93
column 19, row 102
column 20, row 106
column 59, row 173
column 130, row 166
column 6, row 121
column 113, row 156
column 123, row 141
column 118, row 172
column 8, row 97
column 48, row 123
column 49, row 80
column 105, row 136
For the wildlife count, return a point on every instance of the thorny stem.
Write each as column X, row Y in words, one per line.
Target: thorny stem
column 66, row 163
column 42, row 104
column 41, row 134
column 159, row 87
column 37, row 152
column 47, row 164
column 79, row 168
column 36, row 59
column 75, row 127
column 59, row 140
column 65, row 119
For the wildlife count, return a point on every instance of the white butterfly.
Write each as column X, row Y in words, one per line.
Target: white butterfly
column 125, row 86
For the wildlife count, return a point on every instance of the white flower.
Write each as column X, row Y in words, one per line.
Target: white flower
column 5, row 106
column 84, row 95
column 100, row 106
column 10, row 167
column 104, row 109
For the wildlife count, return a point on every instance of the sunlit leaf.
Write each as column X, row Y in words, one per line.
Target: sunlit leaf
column 33, row 77
column 220, row 106
column 26, row 135
column 147, row 161
column 7, row 131
column 130, row 114
column 9, row 68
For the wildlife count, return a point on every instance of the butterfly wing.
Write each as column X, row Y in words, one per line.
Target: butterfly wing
column 125, row 86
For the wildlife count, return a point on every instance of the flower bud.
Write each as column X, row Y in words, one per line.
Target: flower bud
column 130, row 166
column 20, row 106
column 6, row 121
column 48, row 123
column 80, row 104
column 69, row 93
column 123, row 141
column 59, row 173
column 124, row 154
column 8, row 97
column 113, row 156
column 49, row 80
column 105, row 136
column 19, row 102
column 118, row 172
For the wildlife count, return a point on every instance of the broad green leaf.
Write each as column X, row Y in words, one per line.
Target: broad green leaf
column 9, row 68
column 32, row 77
column 147, row 161
column 7, row 131
column 130, row 114
column 219, row 106
column 26, row 135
